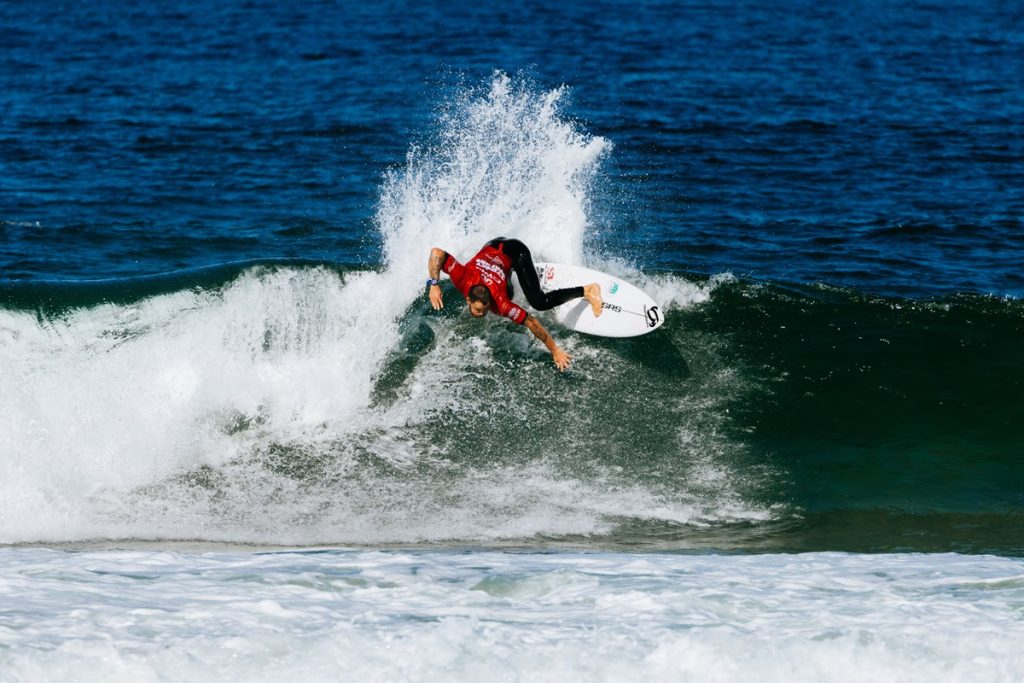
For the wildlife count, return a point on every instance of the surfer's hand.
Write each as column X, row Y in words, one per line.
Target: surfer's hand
column 435, row 297
column 560, row 357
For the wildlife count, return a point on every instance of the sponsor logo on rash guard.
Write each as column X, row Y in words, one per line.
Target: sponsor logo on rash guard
column 484, row 264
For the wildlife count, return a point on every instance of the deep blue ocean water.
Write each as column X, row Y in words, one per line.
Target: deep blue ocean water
column 876, row 146
column 858, row 170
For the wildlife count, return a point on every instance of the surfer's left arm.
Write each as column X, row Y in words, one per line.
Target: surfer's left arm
column 560, row 357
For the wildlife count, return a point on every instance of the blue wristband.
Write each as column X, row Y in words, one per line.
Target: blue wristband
column 431, row 282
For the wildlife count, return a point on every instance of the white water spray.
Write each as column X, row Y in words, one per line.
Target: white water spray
column 247, row 413
column 506, row 163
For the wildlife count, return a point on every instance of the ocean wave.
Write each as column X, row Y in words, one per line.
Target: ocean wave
column 279, row 406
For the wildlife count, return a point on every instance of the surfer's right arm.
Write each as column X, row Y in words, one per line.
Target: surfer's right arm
column 434, row 263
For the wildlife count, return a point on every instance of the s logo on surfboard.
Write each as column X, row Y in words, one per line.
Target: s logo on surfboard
column 633, row 313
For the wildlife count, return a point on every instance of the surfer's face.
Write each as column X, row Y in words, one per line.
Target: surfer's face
column 477, row 309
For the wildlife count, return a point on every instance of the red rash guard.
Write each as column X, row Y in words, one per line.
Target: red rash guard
column 490, row 268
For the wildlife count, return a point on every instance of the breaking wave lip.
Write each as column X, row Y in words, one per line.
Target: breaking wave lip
column 307, row 404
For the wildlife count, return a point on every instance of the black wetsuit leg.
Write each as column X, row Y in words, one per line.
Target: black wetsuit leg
column 522, row 264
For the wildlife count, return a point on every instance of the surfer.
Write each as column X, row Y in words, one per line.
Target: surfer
column 484, row 282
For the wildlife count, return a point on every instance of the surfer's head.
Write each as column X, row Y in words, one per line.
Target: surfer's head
column 479, row 300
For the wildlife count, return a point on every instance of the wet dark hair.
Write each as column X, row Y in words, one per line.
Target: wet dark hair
column 480, row 293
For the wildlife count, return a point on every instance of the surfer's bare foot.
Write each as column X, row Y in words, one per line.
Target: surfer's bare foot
column 592, row 293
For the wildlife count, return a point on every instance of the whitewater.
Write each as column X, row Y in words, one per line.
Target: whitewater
column 324, row 615
column 307, row 404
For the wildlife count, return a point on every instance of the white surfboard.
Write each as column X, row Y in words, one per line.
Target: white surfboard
column 628, row 311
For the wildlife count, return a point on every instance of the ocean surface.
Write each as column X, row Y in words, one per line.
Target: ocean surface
column 236, row 442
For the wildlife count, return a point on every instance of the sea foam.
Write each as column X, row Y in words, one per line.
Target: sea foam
column 483, row 616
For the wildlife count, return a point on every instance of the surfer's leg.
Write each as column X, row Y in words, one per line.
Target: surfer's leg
column 522, row 264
